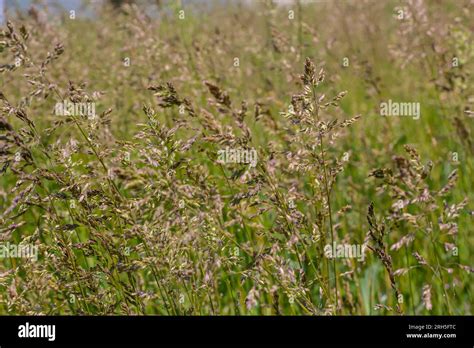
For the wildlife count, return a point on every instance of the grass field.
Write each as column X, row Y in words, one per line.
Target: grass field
column 314, row 158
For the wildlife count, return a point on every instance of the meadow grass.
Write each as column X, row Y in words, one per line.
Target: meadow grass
column 132, row 211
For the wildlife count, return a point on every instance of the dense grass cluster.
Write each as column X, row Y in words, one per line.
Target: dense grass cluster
column 136, row 210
